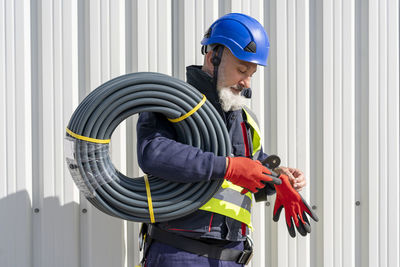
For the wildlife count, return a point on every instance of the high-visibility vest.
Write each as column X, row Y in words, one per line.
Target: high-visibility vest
column 228, row 201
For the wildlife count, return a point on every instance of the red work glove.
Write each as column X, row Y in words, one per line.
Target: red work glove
column 249, row 174
column 295, row 208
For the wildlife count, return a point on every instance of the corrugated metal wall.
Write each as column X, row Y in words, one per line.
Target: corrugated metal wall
column 328, row 103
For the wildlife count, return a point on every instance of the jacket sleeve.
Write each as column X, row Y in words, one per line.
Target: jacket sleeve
column 160, row 155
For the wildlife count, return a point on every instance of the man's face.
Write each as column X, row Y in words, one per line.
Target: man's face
column 234, row 75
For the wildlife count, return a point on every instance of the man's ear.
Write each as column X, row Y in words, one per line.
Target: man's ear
column 207, row 65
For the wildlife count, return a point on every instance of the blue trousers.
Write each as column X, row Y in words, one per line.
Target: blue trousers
column 162, row 255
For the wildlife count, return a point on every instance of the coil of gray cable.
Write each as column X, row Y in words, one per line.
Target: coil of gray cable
column 104, row 109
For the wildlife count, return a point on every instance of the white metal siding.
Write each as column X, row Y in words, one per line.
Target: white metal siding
column 328, row 103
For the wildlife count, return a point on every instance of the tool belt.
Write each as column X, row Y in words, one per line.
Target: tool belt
column 196, row 246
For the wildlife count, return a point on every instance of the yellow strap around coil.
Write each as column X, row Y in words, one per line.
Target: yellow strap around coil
column 85, row 138
column 146, row 180
column 181, row 118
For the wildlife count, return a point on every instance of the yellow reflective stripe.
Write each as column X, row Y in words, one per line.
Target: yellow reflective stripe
column 256, row 135
column 237, row 188
column 149, row 201
column 181, row 118
column 89, row 139
column 228, row 209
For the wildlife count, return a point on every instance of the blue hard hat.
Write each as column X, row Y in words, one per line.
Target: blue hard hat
column 242, row 34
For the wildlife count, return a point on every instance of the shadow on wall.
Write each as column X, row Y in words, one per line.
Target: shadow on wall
column 47, row 237
column 62, row 235
column 16, row 230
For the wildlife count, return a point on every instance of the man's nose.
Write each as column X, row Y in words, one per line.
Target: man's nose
column 245, row 83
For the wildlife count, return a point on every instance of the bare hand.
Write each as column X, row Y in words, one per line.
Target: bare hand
column 296, row 177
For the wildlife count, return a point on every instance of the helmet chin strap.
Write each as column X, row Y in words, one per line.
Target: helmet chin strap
column 216, row 60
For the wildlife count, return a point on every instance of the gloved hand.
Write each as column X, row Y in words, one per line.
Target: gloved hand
column 295, row 208
column 249, row 174
column 271, row 162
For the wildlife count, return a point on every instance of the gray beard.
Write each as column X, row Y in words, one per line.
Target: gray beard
column 229, row 101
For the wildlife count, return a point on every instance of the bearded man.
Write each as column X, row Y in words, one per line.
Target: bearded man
column 233, row 46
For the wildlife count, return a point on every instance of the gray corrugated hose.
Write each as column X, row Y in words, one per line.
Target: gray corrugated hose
column 100, row 113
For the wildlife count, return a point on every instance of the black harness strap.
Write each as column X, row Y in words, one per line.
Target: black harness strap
column 200, row 248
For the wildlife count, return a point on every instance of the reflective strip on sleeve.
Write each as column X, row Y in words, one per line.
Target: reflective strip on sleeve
column 228, row 209
column 230, row 195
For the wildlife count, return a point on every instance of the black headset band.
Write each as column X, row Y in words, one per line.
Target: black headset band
column 216, row 60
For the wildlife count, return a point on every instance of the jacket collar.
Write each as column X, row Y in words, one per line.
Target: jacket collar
column 203, row 82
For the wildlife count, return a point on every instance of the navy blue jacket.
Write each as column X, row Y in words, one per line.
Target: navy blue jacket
column 160, row 155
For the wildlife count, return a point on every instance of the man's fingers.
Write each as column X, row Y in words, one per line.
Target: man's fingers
column 272, row 180
column 298, row 185
column 285, row 171
column 266, row 170
column 297, row 173
column 244, row 191
column 296, row 177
